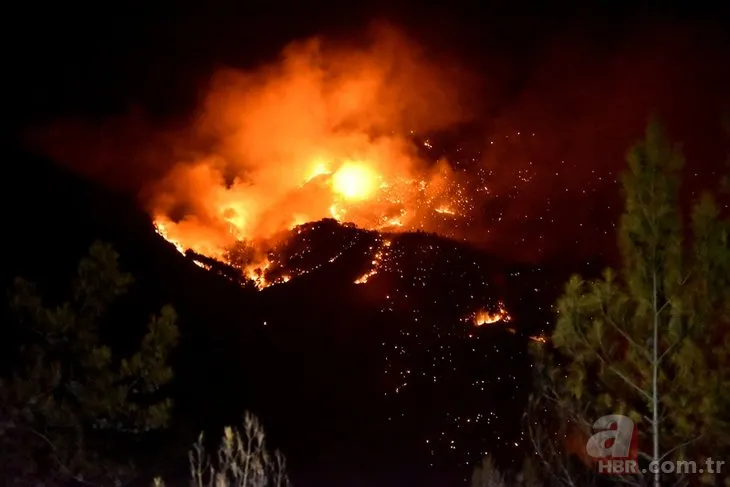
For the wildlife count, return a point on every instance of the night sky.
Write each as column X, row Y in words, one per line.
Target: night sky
column 83, row 59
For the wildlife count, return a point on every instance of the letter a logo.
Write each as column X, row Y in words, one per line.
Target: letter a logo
column 615, row 437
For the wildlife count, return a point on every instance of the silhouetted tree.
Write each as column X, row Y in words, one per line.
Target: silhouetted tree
column 556, row 425
column 69, row 389
column 652, row 341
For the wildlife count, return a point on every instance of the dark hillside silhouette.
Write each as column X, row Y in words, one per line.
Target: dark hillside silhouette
column 309, row 356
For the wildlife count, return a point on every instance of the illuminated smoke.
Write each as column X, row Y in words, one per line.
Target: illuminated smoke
column 324, row 132
column 335, row 130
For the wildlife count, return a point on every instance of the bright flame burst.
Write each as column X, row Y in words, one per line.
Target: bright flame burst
column 484, row 317
column 354, row 192
column 323, row 132
column 326, row 131
column 355, row 181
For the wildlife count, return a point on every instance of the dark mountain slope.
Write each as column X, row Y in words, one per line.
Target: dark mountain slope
column 387, row 382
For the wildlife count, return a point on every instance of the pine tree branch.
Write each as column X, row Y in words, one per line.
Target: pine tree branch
column 636, row 479
column 61, row 465
column 562, row 474
column 686, row 332
column 645, row 456
column 660, row 420
column 682, row 445
column 666, row 303
column 686, row 278
column 555, row 461
column 651, row 421
column 677, row 342
column 663, row 417
column 613, row 369
column 624, row 334
column 620, row 374
column 681, row 481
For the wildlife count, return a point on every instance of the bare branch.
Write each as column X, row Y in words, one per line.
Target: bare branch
column 242, row 460
column 61, row 465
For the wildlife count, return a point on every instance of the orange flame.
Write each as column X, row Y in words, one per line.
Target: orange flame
column 539, row 338
column 377, row 262
column 354, row 181
column 483, row 317
column 325, row 132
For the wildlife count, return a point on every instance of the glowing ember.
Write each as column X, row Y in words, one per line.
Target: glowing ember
column 483, row 317
column 539, row 338
column 397, row 221
column 376, row 263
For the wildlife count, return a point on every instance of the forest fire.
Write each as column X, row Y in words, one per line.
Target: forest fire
column 354, row 192
column 325, row 132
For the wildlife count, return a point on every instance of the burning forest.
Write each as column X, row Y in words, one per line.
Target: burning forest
column 329, row 170
column 322, row 133
column 377, row 133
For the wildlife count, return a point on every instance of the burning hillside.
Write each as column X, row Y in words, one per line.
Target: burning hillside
column 350, row 192
column 421, row 313
column 330, row 171
column 326, row 132
column 326, row 156
column 379, row 134
column 358, row 134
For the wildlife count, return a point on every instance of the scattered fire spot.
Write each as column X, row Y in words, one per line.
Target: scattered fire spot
column 484, row 317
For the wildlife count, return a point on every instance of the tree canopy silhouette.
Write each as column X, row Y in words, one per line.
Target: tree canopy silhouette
column 69, row 389
column 651, row 341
